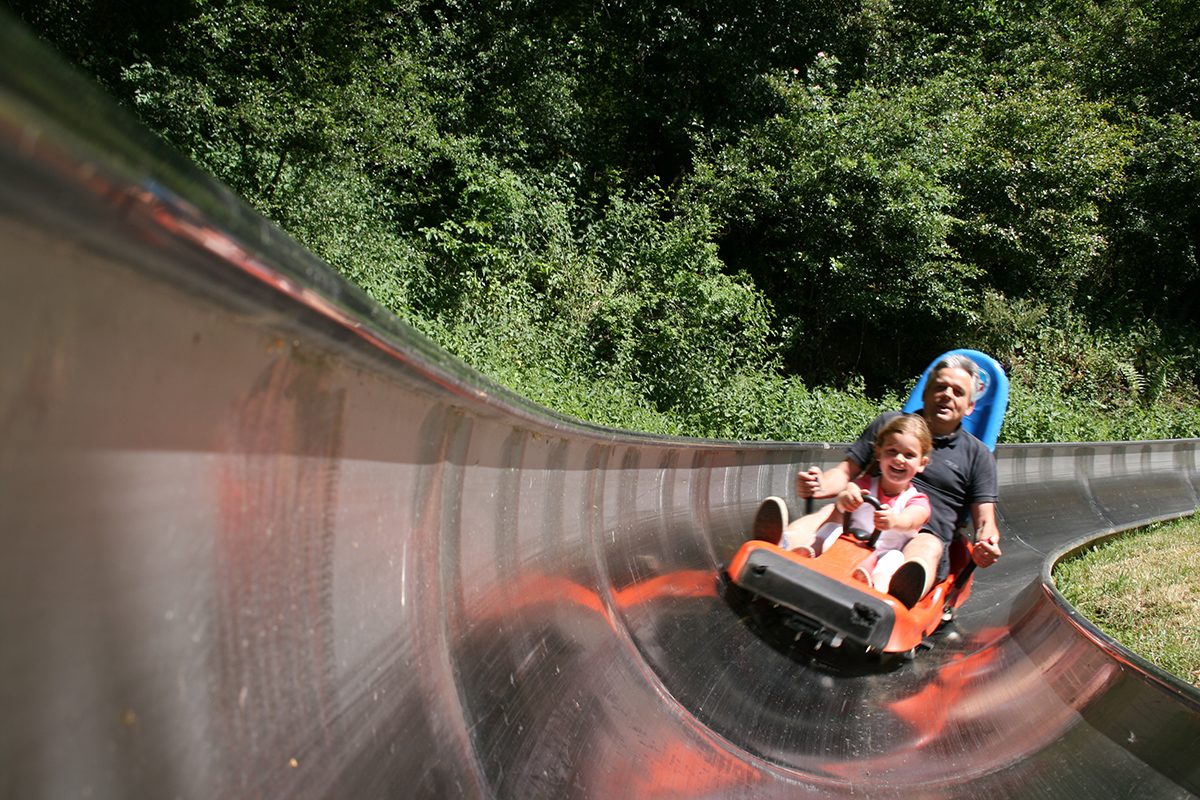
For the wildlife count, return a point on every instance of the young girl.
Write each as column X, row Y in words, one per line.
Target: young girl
column 902, row 450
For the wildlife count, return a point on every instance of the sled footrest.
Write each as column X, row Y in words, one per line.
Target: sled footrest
column 829, row 603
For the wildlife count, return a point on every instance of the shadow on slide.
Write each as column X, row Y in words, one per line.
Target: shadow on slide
column 263, row 540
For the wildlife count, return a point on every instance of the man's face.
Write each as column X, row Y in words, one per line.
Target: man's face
column 947, row 399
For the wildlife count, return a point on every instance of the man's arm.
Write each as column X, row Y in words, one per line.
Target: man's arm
column 987, row 535
column 829, row 483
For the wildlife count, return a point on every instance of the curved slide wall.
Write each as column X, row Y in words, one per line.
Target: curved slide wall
column 261, row 540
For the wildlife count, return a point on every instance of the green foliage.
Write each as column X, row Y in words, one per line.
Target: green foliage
column 255, row 90
column 1155, row 264
column 744, row 221
column 1140, row 52
column 763, row 406
column 1074, row 381
column 1036, row 169
column 839, row 212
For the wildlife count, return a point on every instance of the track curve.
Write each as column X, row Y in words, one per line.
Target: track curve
column 262, row 539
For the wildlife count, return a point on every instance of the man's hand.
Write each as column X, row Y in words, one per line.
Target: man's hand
column 987, row 551
column 808, row 484
column 987, row 538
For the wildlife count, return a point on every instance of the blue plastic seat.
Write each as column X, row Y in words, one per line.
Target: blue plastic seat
column 990, row 404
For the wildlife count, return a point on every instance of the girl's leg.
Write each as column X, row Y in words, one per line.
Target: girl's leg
column 803, row 532
column 886, row 564
column 865, row 571
column 914, row 577
column 827, row 533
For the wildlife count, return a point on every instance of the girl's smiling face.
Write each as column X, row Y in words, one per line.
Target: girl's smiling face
column 900, row 458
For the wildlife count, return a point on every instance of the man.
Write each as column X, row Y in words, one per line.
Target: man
column 960, row 476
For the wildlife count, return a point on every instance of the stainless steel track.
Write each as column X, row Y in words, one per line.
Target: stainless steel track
column 261, row 539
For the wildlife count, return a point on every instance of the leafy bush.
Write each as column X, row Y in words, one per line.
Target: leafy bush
column 1036, row 169
column 1155, row 262
column 744, row 222
column 839, row 212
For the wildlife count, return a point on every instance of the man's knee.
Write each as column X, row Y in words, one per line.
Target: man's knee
column 924, row 547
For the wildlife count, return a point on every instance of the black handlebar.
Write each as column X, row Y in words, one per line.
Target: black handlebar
column 873, row 501
column 862, row 535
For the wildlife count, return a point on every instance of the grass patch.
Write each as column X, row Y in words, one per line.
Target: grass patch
column 1143, row 591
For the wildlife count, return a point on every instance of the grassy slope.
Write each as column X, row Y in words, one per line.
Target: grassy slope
column 1141, row 590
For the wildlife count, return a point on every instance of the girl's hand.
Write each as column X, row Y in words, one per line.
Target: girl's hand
column 850, row 498
column 885, row 518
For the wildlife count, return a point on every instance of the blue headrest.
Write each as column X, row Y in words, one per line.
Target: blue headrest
column 990, row 404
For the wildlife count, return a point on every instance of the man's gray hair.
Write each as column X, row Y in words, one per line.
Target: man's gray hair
column 959, row 361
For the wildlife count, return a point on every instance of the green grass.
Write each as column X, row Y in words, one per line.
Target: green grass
column 1143, row 590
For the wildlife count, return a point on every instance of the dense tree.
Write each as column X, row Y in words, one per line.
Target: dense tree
column 840, row 211
column 1155, row 255
column 683, row 216
column 1039, row 165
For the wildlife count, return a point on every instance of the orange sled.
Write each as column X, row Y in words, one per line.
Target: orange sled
column 835, row 608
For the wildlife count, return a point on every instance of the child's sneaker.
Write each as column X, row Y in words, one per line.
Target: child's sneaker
column 770, row 520
column 804, row 551
column 910, row 583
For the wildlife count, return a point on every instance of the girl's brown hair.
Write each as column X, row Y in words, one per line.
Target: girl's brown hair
column 910, row 424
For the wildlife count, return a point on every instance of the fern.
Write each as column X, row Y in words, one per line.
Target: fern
column 1134, row 379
